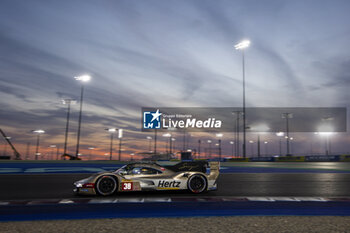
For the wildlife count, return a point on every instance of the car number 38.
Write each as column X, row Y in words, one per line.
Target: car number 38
column 126, row 186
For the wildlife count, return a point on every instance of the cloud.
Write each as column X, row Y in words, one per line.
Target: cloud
column 164, row 53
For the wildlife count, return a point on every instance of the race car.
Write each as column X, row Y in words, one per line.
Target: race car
column 195, row 176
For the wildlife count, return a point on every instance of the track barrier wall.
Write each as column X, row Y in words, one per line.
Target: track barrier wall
column 237, row 160
column 309, row 158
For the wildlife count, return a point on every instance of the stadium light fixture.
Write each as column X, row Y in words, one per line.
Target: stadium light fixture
column 120, row 136
column 83, row 78
column 111, row 131
column 242, row 45
column 38, row 132
column 149, row 138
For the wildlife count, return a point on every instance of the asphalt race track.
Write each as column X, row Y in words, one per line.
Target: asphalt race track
column 49, row 186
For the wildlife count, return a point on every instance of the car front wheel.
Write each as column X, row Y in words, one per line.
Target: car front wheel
column 106, row 185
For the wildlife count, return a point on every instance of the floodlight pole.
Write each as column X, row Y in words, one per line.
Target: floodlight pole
column 287, row 115
column 38, row 132
column 280, row 135
column 241, row 46
column 120, row 136
column 67, row 125
column 287, row 128
column 244, row 110
column 111, row 131
column 237, row 149
column 232, row 143
column 83, row 78
column 184, row 140
column 174, row 148
column 199, row 149
column 111, row 147
column 280, row 145
column 209, row 142
column 80, row 115
column 120, row 149
column 37, row 146
column 155, row 141
column 259, row 145
column 149, row 143
column 237, row 137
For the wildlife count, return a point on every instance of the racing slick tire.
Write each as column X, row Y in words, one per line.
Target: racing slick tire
column 197, row 184
column 106, row 185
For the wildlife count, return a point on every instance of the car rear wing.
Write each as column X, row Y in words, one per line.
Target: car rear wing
column 214, row 166
column 194, row 166
column 214, row 170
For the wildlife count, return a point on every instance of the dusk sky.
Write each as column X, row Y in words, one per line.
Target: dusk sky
column 164, row 54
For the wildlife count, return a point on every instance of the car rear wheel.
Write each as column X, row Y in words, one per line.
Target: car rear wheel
column 106, row 185
column 197, row 184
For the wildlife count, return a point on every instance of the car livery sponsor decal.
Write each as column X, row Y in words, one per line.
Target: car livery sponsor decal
column 168, row 184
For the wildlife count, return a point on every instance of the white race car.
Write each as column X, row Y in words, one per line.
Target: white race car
column 196, row 176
